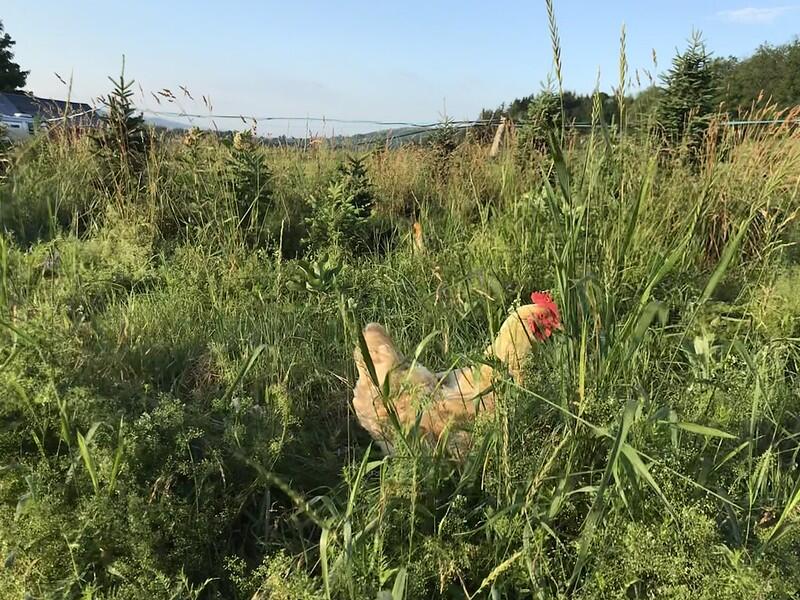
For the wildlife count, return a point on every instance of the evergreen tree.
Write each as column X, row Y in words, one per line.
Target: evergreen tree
column 12, row 77
column 690, row 90
column 353, row 172
column 443, row 142
column 543, row 116
column 123, row 134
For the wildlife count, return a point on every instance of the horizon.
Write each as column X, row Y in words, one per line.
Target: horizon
column 451, row 62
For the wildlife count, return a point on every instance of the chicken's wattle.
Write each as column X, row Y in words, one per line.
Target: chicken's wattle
column 544, row 321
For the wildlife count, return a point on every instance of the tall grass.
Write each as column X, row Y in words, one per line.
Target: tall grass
column 177, row 368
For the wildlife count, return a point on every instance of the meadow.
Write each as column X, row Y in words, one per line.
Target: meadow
column 176, row 368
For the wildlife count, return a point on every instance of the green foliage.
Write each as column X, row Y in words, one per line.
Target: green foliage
column 252, row 182
column 688, row 102
column 277, row 578
column 12, row 77
column 542, row 119
column 577, row 107
column 334, row 221
column 50, row 191
column 647, row 103
column 175, row 384
column 771, row 72
column 340, row 215
column 768, row 79
column 355, row 177
column 687, row 559
column 316, row 276
column 122, row 138
column 443, row 143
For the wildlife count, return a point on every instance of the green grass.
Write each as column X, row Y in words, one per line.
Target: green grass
column 176, row 372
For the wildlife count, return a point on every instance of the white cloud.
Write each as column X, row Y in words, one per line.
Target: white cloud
column 755, row 16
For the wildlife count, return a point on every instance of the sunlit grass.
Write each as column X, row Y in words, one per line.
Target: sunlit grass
column 176, row 382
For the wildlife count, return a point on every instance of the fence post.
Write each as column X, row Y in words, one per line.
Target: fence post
column 498, row 137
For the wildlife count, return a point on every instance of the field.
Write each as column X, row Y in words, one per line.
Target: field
column 177, row 338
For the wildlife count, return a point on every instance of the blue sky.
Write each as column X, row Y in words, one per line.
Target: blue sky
column 408, row 60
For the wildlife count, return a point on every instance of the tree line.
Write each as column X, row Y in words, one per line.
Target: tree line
column 728, row 85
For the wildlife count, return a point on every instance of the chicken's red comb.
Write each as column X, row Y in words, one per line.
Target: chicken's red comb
column 542, row 298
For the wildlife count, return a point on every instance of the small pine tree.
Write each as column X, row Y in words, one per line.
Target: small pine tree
column 353, row 172
column 123, row 134
column 687, row 104
column 543, row 116
column 443, row 142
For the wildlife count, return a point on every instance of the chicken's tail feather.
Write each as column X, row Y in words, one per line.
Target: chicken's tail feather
column 382, row 353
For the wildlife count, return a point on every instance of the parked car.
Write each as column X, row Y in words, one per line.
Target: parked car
column 18, row 127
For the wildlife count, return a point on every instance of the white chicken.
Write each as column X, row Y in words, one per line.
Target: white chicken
column 447, row 400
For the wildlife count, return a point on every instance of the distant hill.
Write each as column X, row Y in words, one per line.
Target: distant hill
column 394, row 137
column 360, row 141
column 156, row 121
column 165, row 123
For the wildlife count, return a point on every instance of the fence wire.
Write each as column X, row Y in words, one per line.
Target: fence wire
column 419, row 127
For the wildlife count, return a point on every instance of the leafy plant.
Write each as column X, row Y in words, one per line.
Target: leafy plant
column 340, row 215
column 252, row 184
column 316, row 276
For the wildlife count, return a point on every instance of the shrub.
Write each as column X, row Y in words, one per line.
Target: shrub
column 342, row 214
column 334, row 220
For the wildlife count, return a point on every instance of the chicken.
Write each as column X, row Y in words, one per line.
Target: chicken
column 447, row 400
